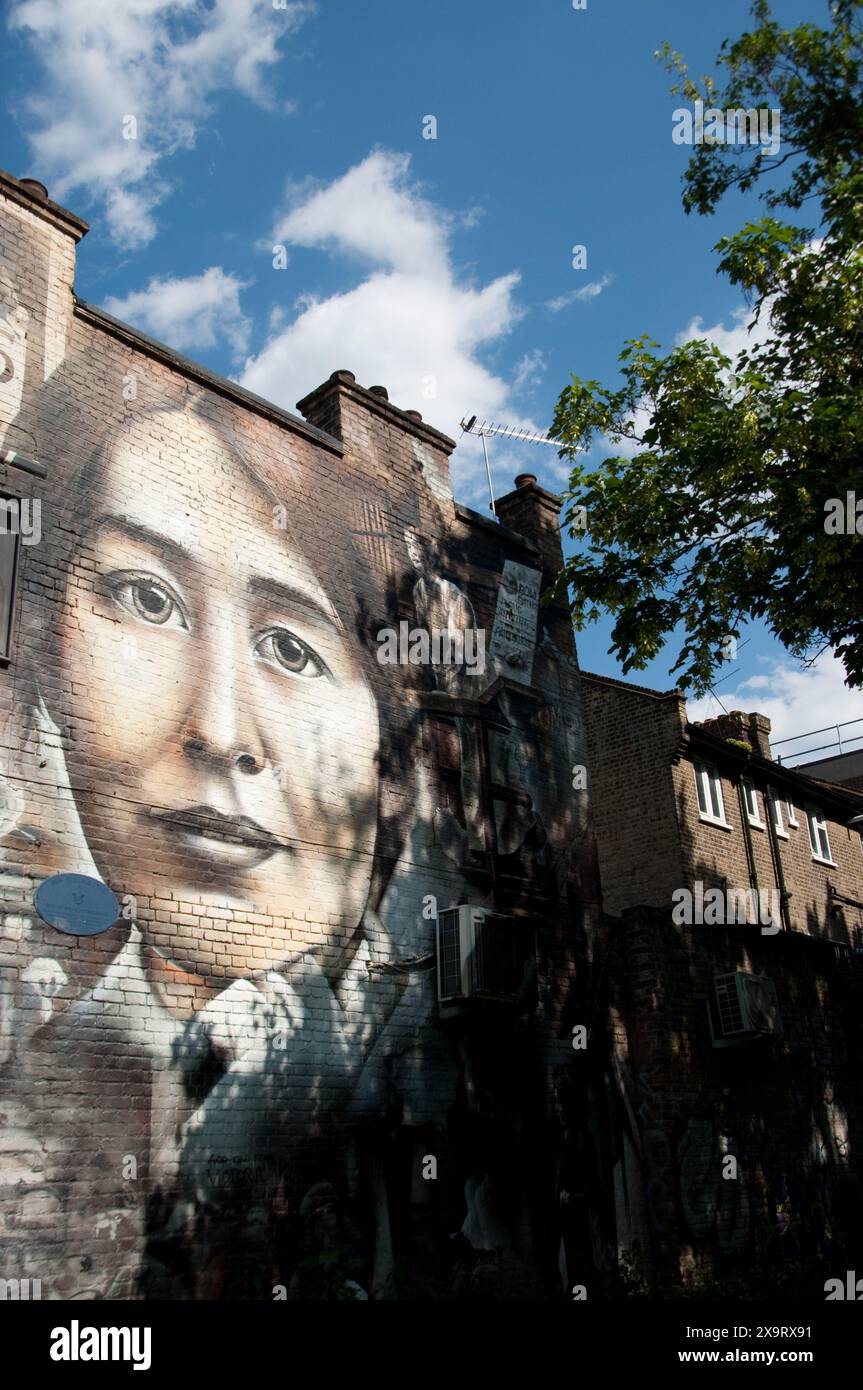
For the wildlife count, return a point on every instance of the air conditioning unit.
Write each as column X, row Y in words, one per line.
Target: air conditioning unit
column 743, row 1006
column 480, row 954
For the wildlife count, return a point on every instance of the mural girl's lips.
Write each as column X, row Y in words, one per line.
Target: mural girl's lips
column 233, row 839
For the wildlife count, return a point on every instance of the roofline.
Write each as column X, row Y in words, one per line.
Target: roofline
column 831, row 758
column 141, row 342
column 474, row 518
column 551, row 500
column 344, row 383
column 845, row 799
column 43, row 207
column 696, row 737
column 675, row 694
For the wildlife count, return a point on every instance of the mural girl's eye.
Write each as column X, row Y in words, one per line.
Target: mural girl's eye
column 283, row 649
column 147, row 598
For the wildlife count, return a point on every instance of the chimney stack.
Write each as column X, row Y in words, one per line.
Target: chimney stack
column 752, row 728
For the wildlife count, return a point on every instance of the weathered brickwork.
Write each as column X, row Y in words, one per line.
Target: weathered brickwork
column 786, row 1106
column 245, row 1088
column 634, row 737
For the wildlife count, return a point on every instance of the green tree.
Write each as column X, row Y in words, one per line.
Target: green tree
column 722, row 515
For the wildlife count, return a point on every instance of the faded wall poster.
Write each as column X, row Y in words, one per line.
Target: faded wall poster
column 513, row 636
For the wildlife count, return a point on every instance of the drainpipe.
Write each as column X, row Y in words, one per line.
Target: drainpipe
column 775, row 851
column 775, row 855
column 747, row 839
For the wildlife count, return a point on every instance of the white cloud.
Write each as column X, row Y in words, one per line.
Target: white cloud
column 410, row 323
column 795, row 699
column 159, row 61
column 744, row 332
column 587, row 292
column 560, row 469
column 193, row 313
column 372, row 212
column 529, row 371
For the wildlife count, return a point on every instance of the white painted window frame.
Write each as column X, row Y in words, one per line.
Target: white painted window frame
column 775, row 808
column 750, row 800
column 814, row 818
column 708, row 788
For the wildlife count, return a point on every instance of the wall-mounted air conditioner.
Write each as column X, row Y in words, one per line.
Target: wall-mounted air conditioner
column 743, row 1006
column 480, row 954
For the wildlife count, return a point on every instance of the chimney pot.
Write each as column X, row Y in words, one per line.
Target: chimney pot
column 413, row 415
column 525, row 479
column 342, row 375
column 35, row 187
column 380, row 391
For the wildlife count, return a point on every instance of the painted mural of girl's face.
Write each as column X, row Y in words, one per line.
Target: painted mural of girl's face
column 221, row 738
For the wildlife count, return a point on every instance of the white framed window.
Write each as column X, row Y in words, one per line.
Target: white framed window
column 750, row 798
column 776, row 813
column 792, row 815
column 709, row 786
column 819, row 840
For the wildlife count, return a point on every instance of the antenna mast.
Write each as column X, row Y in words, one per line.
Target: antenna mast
column 487, row 431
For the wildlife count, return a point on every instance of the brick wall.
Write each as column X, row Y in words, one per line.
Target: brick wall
column 717, row 855
column 236, row 1088
column 652, row 840
column 633, row 738
column 787, row 1108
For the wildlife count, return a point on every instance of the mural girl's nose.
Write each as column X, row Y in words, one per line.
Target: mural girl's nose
column 220, row 732
column 226, row 753
column 246, row 762
column 219, row 728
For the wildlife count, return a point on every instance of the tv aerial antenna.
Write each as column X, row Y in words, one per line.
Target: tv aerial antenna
column 489, row 431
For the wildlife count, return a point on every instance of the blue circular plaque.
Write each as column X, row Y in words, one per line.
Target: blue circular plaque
column 77, row 904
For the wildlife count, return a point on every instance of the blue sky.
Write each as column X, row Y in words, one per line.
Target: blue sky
column 427, row 265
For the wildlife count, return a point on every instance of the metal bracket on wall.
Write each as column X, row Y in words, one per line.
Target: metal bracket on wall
column 13, row 459
column 838, row 897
